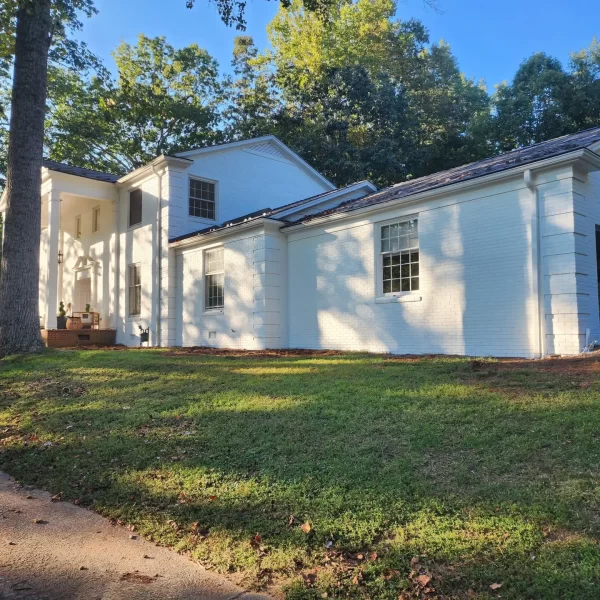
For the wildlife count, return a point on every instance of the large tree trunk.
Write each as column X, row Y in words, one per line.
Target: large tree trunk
column 19, row 279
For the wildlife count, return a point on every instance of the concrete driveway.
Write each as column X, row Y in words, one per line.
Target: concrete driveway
column 59, row 551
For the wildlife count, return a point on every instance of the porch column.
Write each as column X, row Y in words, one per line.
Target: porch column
column 53, row 245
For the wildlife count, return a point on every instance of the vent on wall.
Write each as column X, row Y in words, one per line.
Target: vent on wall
column 212, row 335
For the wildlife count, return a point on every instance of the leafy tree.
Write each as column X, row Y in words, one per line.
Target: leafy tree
column 535, row 106
column 445, row 115
column 164, row 100
column 30, row 27
column 253, row 98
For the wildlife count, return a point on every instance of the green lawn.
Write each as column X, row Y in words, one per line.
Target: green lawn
column 327, row 476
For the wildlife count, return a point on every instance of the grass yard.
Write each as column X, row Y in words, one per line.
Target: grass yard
column 336, row 475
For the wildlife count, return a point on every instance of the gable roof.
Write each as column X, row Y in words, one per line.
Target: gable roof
column 267, row 145
column 487, row 166
column 274, row 213
column 60, row 167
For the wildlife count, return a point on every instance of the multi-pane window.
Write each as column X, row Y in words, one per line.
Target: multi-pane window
column 95, row 219
column 202, row 199
column 214, row 277
column 400, row 257
column 135, row 207
column 135, row 290
column 78, row 227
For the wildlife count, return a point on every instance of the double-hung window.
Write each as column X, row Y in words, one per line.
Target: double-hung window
column 78, row 227
column 135, row 289
column 202, row 199
column 400, row 257
column 214, row 278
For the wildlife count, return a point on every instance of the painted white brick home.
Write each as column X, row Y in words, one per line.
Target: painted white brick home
column 244, row 245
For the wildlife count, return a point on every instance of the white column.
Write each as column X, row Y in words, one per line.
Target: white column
column 114, row 261
column 53, row 245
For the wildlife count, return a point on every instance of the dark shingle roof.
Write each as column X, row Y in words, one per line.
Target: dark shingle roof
column 80, row 171
column 495, row 164
column 258, row 214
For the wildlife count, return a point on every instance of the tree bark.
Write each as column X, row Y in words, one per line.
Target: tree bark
column 19, row 279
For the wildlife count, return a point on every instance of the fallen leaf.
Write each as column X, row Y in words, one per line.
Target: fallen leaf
column 40, row 521
column 306, row 527
column 423, row 580
column 495, row 586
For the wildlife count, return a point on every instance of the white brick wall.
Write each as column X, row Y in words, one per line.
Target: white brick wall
column 476, row 292
column 254, row 313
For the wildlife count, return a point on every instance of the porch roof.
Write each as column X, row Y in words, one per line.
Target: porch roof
column 59, row 167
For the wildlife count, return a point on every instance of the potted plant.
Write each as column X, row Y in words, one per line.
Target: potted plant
column 61, row 319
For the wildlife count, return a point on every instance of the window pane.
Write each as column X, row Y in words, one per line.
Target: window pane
column 414, row 256
column 396, row 272
column 405, row 270
column 387, row 260
column 405, row 257
column 395, row 285
column 385, row 232
column 385, row 245
column 387, row 287
column 394, row 244
column 406, row 285
column 414, row 269
column 415, row 283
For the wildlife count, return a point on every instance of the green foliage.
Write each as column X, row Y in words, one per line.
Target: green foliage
column 486, row 476
column 163, row 100
column 61, row 309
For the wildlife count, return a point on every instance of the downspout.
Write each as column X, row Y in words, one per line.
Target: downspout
column 530, row 183
column 158, row 255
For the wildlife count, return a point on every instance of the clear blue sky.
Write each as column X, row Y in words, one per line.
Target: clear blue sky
column 489, row 37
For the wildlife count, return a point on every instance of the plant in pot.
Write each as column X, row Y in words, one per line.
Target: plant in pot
column 87, row 319
column 61, row 319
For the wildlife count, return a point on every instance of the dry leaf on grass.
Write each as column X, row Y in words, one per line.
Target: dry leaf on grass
column 495, row 586
column 306, row 527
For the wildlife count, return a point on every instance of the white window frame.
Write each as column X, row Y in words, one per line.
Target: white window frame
column 130, row 287
column 95, row 219
column 399, row 296
column 78, row 231
column 189, row 189
column 212, row 272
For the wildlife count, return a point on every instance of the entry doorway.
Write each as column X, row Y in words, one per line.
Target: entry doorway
column 83, row 294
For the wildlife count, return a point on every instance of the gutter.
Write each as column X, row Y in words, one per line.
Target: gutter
column 529, row 180
column 158, row 265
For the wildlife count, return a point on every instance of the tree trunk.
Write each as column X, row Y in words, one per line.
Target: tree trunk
column 19, row 280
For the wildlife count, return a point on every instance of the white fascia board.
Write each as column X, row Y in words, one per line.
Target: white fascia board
column 265, row 138
column 584, row 156
column 159, row 161
column 218, row 234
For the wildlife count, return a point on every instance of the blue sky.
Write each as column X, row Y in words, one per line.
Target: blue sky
column 489, row 37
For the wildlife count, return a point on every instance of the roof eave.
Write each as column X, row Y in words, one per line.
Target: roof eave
column 584, row 155
column 157, row 162
column 222, row 232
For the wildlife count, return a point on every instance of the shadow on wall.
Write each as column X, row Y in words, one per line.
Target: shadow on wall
column 476, row 285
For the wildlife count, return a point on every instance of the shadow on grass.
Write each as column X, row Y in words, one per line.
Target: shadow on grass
column 401, row 458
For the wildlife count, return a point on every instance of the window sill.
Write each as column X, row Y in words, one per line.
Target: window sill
column 213, row 312
column 399, row 298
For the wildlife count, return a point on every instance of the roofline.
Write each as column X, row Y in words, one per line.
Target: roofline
column 222, row 232
column 265, row 138
column 159, row 160
column 327, row 196
column 46, row 175
column 588, row 156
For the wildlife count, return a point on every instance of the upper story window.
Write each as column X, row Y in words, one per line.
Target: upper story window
column 202, row 199
column 214, row 278
column 78, row 227
column 400, row 257
column 135, row 207
column 95, row 219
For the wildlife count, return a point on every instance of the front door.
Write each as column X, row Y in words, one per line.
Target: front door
column 83, row 294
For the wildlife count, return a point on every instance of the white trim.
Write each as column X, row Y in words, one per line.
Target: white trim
column 265, row 138
column 161, row 160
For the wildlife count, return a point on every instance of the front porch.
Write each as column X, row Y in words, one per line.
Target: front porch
column 78, row 257
column 70, row 338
